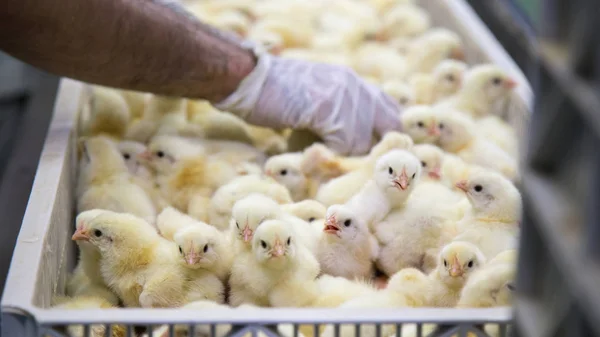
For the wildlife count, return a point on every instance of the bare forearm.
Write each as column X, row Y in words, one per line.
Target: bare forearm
column 141, row 45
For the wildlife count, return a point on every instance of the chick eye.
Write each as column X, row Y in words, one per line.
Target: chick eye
column 478, row 188
column 180, row 250
column 420, row 124
column 450, row 78
column 126, row 156
column 390, row 170
column 311, row 219
column 160, row 154
column 423, row 164
column 445, row 263
column 470, row 264
column 347, row 223
column 98, row 233
column 496, row 80
column 511, row 286
column 206, row 248
column 289, row 241
column 237, row 225
column 441, row 125
column 403, row 101
column 283, row 172
column 414, row 174
column 263, row 244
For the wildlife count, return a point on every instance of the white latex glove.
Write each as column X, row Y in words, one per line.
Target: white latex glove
column 330, row 100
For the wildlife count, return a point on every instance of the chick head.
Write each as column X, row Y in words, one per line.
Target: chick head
column 456, row 130
column 431, row 158
column 448, row 76
column 130, row 151
column 400, row 91
column 489, row 81
column 457, row 261
column 397, row 171
column 404, row 20
column 274, row 244
column 197, row 246
column 109, row 230
column 434, row 46
column 342, row 223
column 99, row 155
column 165, row 151
column 84, row 217
column 249, row 212
column 413, row 284
column 420, row 123
column 286, row 170
column 492, row 286
column 390, row 141
column 492, row 196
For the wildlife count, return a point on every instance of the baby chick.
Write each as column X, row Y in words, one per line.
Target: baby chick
column 491, row 286
column 457, row 262
column 444, row 81
column 459, row 135
column 432, row 47
column 88, row 302
column 333, row 291
column 109, row 113
column 322, row 164
column 140, row 266
column 400, row 91
column 484, row 87
column 276, row 271
column 104, row 181
column 500, row 133
column 166, row 115
column 394, row 178
column 405, row 21
column 136, row 101
column 225, row 197
column 493, row 224
column 379, row 61
column 347, row 248
column 341, row 189
column 201, row 246
column 420, row 123
column 308, row 210
column 286, row 170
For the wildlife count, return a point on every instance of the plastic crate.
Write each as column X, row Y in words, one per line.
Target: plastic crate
column 44, row 254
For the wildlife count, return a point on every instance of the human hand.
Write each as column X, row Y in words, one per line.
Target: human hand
column 330, row 100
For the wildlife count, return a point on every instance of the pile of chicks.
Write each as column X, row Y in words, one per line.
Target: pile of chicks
column 182, row 205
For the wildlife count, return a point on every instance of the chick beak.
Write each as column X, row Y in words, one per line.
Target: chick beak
column 509, row 83
column 247, row 233
column 402, row 181
column 146, row 155
column 455, row 268
column 457, row 54
column 80, row 235
column 278, row 249
column 433, row 130
column 462, row 185
column 192, row 259
column 269, row 173
column 435, row 173
column 331, row 226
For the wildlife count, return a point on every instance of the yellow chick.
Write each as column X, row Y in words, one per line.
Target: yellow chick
column 404, row 20
column 491, row 286
column 109, row 113
column 295, row 32
column 407, row 288
column 140, row 266
column 277, row 272
column 484, row 88
column 105, row 182
column 445, row 80
column 420, row 123
column 341, row 189
column 308, row 210
column 223, row 200
column 88, row 302
column 136, row 101
column 162, row 115
column 400, row 91
column 457, row 262
column 460, row 135
column 286, row 169
column 500, row 133
column 493, row 224
column 432, row 47
column 201, row 246
column 379, row 61
column 216, row 124
column 322, row 164
column 346, row 248
column 333, row 291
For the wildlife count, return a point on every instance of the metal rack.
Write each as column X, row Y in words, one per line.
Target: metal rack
column 559, row 266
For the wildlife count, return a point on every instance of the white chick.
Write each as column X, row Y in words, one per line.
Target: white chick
column 341, row 189
column 201, row 246
column 141, row 267
column 459, row 135
column 276, row 271
column 407, row 288
column 104, row 181
column 491, row 286
column 346, row 248
column 400, row 91
column 456, row 263
column 484, row 88
column 445, row 80
column 308, row 210
column 379, row 61
column 420, row 123
column 395, row 176
column 225, row 197
column 334, row 290
column 432, row 47
column 404, row 21
column 493, row 224
column 286, row 170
